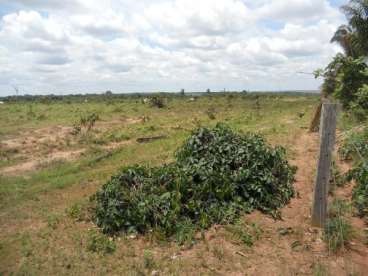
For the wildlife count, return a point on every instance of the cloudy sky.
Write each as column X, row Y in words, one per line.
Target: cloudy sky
column 79, row 46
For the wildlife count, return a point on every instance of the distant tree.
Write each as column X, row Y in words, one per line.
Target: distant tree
column 208, row 90
column 108, row 92
column 182, row 92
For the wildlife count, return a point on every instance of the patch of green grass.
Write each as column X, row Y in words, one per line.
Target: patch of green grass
column 246, row 233
column 99, row 243
column 148, row 260
column 53, row 221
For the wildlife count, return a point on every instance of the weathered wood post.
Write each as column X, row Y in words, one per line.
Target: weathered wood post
column 327, row 141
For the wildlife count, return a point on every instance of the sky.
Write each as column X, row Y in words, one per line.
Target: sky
column 82, row 46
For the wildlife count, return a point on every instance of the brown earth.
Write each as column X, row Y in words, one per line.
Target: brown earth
column 36, row 148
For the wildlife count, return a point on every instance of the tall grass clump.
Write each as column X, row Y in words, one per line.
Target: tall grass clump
column 217, row 175
column 338, row 231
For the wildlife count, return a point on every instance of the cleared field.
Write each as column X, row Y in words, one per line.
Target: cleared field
column 48, row 168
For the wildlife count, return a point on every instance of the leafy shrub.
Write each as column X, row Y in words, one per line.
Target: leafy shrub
column 89, row 120
column 351, row 77
column 99, row 243
column 211, row 113
column 345, row 78
column 217, row 175
column 355, row 145
column 360, row 106
column 360, row 191
column 80, row 211
column 86, row 121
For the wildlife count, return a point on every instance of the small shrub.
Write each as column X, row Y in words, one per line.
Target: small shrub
column 211, row 113
column 148, row 260
column 99, row 243
column 81, row 211
column 157, row 101
column 86, row 122
column 355, row 145
column 30, row 113
column 75, row 211
column 359, row 107
column 76, row 129
column 89, row 120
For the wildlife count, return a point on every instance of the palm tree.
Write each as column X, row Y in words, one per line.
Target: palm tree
column 357, row 14
column 344, row 36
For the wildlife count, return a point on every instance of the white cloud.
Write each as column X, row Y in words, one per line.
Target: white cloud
column 297, row 10
column 127, row 45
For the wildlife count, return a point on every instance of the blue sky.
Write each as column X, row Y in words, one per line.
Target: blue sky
column 80, row 46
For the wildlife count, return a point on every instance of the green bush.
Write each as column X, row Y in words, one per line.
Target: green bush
column 346, row 79
column 217, row 175
column 352, row 75
column 360, row 191
column 355, row 145
column 360, row 106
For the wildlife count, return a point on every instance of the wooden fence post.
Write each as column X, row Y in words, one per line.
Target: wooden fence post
column 327, row 141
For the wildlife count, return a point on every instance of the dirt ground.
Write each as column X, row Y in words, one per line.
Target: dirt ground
column 285, row 247
column 296, row 252
column 36, row 148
